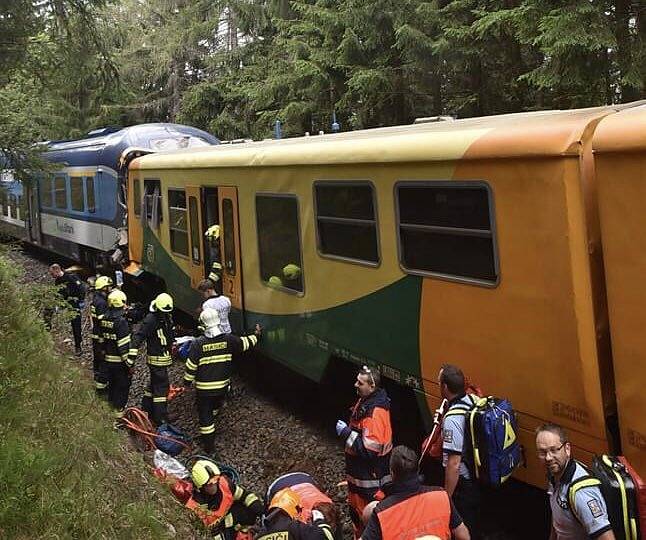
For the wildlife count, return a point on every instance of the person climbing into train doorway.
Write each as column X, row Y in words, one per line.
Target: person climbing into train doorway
column 213, row 249
column 368, row 442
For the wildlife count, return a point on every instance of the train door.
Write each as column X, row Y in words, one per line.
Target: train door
column 194, row 200
column 230, row 246
column 33, row 218
column 210, row 216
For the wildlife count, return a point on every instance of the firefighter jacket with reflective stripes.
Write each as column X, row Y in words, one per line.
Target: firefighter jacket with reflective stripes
column 279, row 526
column 71, row 288
column 209, row 361
column 115, row 332
column 99, row 307
column 215, row 271
column 412, row 511
column 368, row 444
column 157, row 330
column 215, row 510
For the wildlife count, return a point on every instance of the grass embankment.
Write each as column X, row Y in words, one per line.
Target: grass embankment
column 64, row 472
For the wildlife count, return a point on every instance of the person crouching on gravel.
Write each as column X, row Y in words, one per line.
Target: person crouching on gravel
column 222, row 505
column 209, row 364
column 283, row 522
column 310, row 497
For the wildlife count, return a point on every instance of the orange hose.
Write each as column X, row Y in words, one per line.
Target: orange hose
column 137, row 421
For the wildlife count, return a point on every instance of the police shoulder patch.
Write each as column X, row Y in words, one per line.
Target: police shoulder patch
column 595, row 508
column 448, row 435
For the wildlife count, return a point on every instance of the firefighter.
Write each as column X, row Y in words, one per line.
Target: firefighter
column 222, row 505
column 216, row 301
column 215, row 267
column 368, row 442
column 102, row 287
column 72, row 290
column 410, row 507
column 157, row 331
column 115, row 332
column 209, row 364
column 282, row 520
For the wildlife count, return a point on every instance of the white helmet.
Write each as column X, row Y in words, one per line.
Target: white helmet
column 209, row 318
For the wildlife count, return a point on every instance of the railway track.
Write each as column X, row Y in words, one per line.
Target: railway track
column 276, row 421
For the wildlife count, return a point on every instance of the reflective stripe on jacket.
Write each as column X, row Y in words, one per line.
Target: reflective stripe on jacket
column 115, row 333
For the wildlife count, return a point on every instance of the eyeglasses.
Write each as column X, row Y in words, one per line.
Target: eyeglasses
column 366, row 370
column 542, row 454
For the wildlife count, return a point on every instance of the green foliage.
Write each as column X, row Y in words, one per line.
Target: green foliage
column 64, row 472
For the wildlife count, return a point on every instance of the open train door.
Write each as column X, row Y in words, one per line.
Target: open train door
column 230, row 251
column 194, row 201
column 33, row 216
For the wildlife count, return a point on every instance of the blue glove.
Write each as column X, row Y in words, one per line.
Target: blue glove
column 341, row 427
column 81, row 305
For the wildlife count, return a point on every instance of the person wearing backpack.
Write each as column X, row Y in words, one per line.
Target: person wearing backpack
column 587, row 517
column 459, row 484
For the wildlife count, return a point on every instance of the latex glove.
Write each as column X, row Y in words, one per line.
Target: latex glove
column 81, row 305
column 317, row 516
column 341, row 426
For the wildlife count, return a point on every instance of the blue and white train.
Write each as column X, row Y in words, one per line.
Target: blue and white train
column 79, row 211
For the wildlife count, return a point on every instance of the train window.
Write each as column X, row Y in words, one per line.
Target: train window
column 152, row 198
column 76, row 192
column 13, row 204
column 446, row 230
column 89, row 191
column 346, row 221
column 195, row 229
column 229, row 241
column 60, row 192
column 279, row 243
column 5, row 203
column 136, row 194
column 177, row 224
column 22, row 213
column 46, row 192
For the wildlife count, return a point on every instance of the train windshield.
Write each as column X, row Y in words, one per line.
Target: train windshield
column 177, row 142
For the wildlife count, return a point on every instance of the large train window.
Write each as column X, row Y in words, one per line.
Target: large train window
column 89, row 192
column 279, row 242
column 46, row 191
column 446, row 229
column 76, row 192
column 229, row 241
column 177, row 223
column 60, row 192
column 346, row 222
column 136, row 194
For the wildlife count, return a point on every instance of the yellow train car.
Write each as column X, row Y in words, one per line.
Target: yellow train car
column 620, row 158
column 474, row 242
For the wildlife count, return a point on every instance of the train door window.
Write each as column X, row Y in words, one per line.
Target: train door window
column 136, row 194
column 229, row 240
column 76, row 192
column 446, row 229
column 177, row 223
column 279, row 242
column 152, row 198
column 195, row 230
column 60, row 192
column 89, row 191
column 46, row 192
column 346, row 221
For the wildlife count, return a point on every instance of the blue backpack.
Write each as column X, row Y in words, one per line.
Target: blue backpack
column 492, row 450
column 171, row 440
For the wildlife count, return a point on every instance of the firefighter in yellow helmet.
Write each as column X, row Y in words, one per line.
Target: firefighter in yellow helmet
column 282, row 520
column 102, row 287
column 115, row 333
column 215, row 267
column 157, row 331
column 222, row 505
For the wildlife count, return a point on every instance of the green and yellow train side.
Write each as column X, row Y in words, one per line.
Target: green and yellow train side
column 537, row 334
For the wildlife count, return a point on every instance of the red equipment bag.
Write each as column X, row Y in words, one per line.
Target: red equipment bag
column 640, row 493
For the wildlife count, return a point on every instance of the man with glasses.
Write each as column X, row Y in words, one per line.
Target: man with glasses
column 368, row 442
column 588, row 516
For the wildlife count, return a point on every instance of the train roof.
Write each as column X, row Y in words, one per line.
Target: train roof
column 622, row 132
column 104, row 146
column 529, row 134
